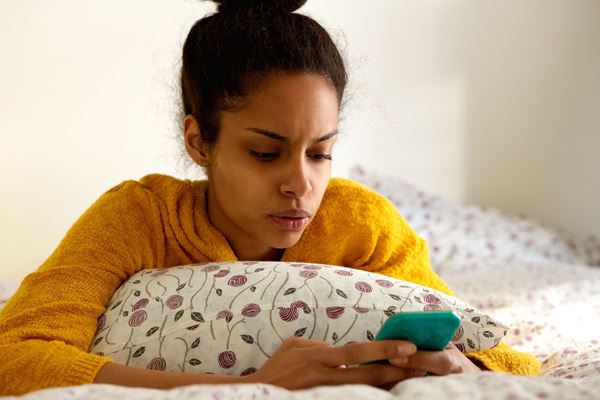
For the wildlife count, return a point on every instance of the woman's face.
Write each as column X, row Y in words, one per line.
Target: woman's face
column 272, row 156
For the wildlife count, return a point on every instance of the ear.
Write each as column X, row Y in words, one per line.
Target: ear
column 195, row 146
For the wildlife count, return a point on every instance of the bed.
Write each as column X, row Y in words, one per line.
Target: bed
column 542, row 282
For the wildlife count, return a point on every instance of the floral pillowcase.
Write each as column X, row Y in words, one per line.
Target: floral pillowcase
column 230, row 317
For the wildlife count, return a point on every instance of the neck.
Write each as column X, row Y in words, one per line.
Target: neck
column 243, row 251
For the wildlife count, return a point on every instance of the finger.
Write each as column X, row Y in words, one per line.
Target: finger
column 373, row 374
column 296, row 341
column 434, row 362
column 363, row 352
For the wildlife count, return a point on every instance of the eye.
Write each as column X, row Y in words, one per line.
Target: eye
column 263, row 156
column 321, row 157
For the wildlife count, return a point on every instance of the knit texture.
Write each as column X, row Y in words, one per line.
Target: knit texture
column 159, row 221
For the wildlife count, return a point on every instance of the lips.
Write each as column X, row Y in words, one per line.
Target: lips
column 292, row 213
column 292, row 219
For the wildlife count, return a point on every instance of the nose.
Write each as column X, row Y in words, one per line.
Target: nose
column 296, row 180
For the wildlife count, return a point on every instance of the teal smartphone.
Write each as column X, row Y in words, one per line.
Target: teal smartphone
column 428, row 330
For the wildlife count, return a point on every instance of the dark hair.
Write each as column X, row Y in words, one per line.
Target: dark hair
column 226, row 56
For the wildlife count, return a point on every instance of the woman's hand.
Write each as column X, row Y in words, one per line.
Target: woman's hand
column 301, row 363
column 422, row 363
column 449, row 361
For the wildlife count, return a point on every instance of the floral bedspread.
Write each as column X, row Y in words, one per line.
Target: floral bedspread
column 554, row 313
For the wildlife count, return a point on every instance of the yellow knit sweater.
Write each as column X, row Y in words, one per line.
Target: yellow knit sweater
column 160, row 222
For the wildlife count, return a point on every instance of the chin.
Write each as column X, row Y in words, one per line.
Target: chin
column 289, row 239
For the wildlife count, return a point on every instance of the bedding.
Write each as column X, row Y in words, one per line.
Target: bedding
column 553, row 312
column 548, row 292
column 472, row 235
column 170, row 319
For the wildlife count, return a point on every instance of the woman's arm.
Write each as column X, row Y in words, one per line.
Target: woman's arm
column 47, row 326
column 123, row 375
column 298, row 363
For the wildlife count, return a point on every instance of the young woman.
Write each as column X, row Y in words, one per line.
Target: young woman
column 262, row 88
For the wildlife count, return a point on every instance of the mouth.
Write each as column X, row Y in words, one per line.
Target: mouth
column 289, row 223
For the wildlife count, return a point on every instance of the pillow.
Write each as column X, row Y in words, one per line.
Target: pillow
column 475, row 236
column 229, row 317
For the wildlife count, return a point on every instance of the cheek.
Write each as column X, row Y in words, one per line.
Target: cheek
column 234, row 168
column 321, row 176
column 241, row 185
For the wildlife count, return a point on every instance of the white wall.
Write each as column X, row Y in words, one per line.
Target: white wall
column 480, row 101
column 533, row 118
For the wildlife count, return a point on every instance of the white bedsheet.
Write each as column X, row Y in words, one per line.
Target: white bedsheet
column 473, row 387
column 554, row 312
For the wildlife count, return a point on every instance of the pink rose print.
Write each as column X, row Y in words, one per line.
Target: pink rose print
column 237, row 280
column 459, row 333
column 225, row 314
column 361, row 310
column 101, row 321
column 334, row 312
column 384, row 283
column 248, row 371
column 299, row 304
column 308, row 274
column 221, row 273
column 251, row 310
column 363, row 287
column 250, row 262
column 288, row 314
column 432, row 303
column 460, row 346
column 209, row 268
column 291, row 313
column 174, row 302
column 140, row 304
column 137, row 318
column 192, row 327
column 227, row 359
column 343, row 272
column 432, row 299
column 158, row 363
column 313, row 267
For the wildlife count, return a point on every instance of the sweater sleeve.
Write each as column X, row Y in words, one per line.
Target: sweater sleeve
column 399, row 252
column 47, row 326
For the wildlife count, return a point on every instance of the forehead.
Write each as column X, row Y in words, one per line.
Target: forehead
column 294, row 87
column 291, row 104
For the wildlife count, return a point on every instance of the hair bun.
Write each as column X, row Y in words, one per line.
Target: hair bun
column 284, row 6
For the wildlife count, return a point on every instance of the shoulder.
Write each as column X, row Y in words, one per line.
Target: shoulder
column 150, row 194
column 152, row 182
column 356, row 198
column 160, row 185
column 348, row 201
column 358, row 225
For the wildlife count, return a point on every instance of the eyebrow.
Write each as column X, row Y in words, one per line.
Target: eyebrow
column 277, row 136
